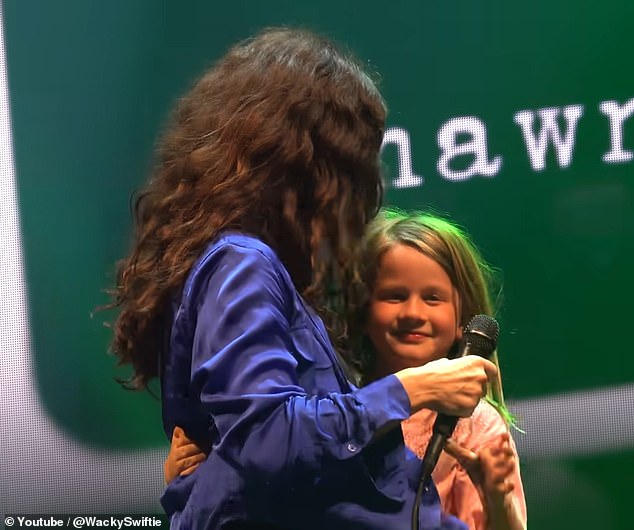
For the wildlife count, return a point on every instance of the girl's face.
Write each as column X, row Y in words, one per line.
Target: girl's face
column 413, row 313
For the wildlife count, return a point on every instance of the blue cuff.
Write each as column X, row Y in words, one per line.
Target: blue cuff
column 385, row 401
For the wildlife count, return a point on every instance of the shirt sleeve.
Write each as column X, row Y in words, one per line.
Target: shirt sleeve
column 246, row 377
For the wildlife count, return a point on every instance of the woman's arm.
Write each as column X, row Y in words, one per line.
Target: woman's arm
column 245, row 372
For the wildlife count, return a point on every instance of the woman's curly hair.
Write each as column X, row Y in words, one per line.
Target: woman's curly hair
column 280, row 139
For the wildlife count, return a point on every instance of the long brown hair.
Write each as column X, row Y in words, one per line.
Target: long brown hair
column 279, row 139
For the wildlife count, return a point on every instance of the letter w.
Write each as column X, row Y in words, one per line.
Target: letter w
column 537, row 144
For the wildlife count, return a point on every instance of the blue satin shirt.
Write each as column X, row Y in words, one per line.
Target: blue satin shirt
column 251, row 371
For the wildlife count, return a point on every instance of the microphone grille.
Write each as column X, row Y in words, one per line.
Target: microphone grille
column 484, row 326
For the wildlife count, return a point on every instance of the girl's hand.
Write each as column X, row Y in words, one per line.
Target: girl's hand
column 183, row 458
column 490, row 469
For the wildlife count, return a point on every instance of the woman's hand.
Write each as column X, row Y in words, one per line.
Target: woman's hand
column 452, row 387
column 183, row 458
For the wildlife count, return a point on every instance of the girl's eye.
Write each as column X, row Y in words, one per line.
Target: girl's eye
column 396, row 297
column 393, row 296
column 433, row 297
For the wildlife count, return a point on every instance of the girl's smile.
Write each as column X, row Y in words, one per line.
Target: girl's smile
column 413, row 312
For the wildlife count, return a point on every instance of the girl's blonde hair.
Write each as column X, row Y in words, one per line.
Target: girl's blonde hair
column 449, row 246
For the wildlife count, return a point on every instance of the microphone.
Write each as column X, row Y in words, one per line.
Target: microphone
column 479, row 337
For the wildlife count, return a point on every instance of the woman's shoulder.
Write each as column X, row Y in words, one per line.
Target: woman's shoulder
column 239, row 258
column 230, row 242
column 237, row 248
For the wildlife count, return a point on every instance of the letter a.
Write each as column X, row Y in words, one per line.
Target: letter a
column 477, row 146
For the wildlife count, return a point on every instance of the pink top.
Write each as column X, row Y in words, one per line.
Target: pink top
column 458, row 495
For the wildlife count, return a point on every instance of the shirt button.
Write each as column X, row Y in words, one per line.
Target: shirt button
column 352, row 447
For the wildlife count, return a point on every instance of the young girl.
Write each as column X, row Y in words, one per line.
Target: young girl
column 265, row 179
column 426, row 281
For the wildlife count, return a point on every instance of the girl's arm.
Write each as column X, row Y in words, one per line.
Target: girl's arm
column 493, row 469
column 183, row 458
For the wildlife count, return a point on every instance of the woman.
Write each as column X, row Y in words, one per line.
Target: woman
column 245, row 235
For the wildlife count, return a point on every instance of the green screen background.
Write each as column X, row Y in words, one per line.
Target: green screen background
column 91, row 84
